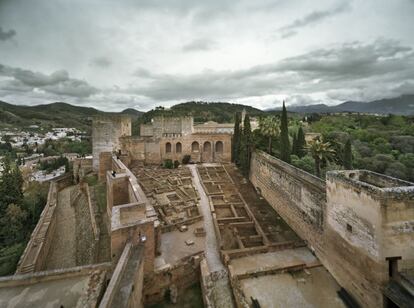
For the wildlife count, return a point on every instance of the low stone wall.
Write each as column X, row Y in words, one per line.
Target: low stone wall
column 92, row 210
column 205, row 283
column 299, row 197
column 34, row 256
column 215, row 287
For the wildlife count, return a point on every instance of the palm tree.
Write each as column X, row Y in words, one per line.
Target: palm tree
column 322, row 152
column 269, row 127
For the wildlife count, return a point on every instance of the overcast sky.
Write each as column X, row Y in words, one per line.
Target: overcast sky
column 119, row 54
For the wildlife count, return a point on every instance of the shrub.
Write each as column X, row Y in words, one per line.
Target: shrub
column 168, row 163
column 306, row 163
column 397, row 170
column 186, row 159
column 176, row 163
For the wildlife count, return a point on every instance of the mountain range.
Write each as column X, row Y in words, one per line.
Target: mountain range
column 402, row 105
column 65, row 115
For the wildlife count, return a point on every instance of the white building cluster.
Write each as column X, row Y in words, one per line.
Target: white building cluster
column 18, row 138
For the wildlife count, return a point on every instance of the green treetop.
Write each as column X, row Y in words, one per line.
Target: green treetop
column 347, row 160
column 284, row 136
column 269, row 127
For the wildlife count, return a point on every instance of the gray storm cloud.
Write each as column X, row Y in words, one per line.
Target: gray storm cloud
column 348, row 65
column 145, row 53
column 6, row 35
column 312, row 18
column 57, row 82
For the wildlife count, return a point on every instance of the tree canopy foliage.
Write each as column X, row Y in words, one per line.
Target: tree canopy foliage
column 19, row 212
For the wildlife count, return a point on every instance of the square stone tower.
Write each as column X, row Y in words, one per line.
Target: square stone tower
column 369, row 231
column 106, row 131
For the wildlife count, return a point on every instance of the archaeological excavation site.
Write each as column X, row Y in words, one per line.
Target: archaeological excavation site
column 165, row 219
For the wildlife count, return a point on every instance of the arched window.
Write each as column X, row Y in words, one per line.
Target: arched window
column 178, row 147
column 207, row 147
column 195, row 146
column 168, row 147
column 219, row 147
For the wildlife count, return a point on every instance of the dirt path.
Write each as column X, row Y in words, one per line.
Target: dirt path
column 62, row 252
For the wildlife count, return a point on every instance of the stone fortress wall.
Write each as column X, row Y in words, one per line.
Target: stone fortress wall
column 35, row 254
column 357, row 223
column 131, row 217
column 163, row 138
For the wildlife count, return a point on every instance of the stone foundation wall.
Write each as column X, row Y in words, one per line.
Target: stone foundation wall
column 180, row 276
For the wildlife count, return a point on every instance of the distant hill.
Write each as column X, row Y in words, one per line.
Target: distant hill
column 132, row 112
column 52, row 115
column 66, row 115
column 220, row 112
column 402, row 105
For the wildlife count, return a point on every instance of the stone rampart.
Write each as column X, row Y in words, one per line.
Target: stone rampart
column 299, row 197
column 35, row 254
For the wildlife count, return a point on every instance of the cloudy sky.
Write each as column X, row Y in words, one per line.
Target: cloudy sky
column 119, row 54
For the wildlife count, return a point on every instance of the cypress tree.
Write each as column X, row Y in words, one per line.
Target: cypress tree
column 235, row 150
column 301, row 143
column 295, row 145
column 245, row 150
column 284, row 136
column 348, row 155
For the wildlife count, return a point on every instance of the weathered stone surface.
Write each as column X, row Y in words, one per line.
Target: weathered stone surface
column 366, row 218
